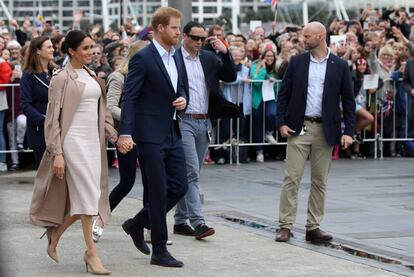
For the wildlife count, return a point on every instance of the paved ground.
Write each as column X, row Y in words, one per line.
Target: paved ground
column 370, row 208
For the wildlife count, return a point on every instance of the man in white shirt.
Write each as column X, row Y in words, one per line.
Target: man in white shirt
column 314, row 87
column 153, row 93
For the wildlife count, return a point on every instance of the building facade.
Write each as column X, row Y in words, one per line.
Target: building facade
column 61, row 11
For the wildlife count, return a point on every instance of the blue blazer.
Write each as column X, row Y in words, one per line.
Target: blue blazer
column 215, row 69
column 147, row 110
column 337, row 88
column 34, row 97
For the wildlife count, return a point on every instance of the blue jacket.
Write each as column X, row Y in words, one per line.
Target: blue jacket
column 337, row 87
column 34, row 97
column 147, row 109
column 401, row 98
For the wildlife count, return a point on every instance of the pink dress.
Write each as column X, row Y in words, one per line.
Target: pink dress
column 82, row 151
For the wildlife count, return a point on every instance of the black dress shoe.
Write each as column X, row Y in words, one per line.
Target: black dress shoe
column 202, row 231
column 137, row 235
column 317, row 236
column 165, row 259
column 183, row 229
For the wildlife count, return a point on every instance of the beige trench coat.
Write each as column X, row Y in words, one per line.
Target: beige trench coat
column 50, row 203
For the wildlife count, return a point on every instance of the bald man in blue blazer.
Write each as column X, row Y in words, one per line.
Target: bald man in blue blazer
column 315, row 86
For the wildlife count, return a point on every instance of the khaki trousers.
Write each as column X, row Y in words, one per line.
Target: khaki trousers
column 313, row 145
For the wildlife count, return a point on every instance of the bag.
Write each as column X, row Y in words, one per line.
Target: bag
column 408, row 149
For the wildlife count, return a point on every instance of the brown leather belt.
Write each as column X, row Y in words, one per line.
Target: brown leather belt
column 197, row 116
column 314, row 119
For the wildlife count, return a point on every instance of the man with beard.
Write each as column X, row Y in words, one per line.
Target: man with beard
column 153, row 93
column 314, row 86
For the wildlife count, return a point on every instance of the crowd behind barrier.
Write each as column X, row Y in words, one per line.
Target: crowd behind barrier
column 378, row 46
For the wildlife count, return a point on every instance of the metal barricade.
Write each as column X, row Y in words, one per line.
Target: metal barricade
column 379, row 100
column 234, row 142
column 387, row 107
column 384, row 106
column 3, row 89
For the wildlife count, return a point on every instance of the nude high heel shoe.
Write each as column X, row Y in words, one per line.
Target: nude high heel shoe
column 94, row 266
column 52, row 254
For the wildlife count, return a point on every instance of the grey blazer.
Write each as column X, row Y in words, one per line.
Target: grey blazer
column 115, row 85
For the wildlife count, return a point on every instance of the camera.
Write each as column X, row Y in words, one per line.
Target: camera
column 291, row 29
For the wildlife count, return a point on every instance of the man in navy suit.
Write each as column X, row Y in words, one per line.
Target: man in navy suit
column 309, row 116
column 202, row 71
column 153, row 93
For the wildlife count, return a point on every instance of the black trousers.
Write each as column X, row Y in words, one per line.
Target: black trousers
column 165, row 169
column 38, row 154
column 127, row 174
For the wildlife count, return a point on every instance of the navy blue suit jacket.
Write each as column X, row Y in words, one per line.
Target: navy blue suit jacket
column 215, row 69
column 337, row 87
column 147, row 110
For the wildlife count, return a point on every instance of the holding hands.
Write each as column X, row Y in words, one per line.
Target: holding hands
column 125, row 144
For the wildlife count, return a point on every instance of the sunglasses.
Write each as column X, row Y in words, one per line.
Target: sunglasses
column 196, row 38
column 96, row 53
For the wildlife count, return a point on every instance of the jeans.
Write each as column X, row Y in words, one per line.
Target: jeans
column 16, row 130
column 270, row 121
column 195, row 142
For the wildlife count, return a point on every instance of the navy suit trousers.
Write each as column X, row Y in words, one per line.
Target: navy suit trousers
column 165, row 168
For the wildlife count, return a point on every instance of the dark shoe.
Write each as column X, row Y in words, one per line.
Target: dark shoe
column 14, row 167
column 165, row 259
column 137, row 235
column 360, row 156
column 283, row 235
column 20, row 147
column 317, row 236
column 202, row 231
column 183, row 229
column 358, row 138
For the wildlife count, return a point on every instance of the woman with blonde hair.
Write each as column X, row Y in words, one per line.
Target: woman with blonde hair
column 72, row 180
column 128, row 161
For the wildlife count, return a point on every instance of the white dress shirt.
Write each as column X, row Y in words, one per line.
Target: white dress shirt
column 316, row 82
column 199, row 93
column 169, row 63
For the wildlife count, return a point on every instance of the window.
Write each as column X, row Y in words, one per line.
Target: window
column 210, row 9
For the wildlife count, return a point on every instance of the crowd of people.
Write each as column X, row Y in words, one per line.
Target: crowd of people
column 376, row 43
column 163, row 106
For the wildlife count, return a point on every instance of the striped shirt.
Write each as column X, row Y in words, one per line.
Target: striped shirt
column 199, row 93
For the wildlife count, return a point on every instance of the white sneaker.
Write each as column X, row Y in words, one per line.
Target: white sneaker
column 97, row 231
column 221, row 161
column 260, row 158
column 3, row 167
column 270, row 138
column 147, row 238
